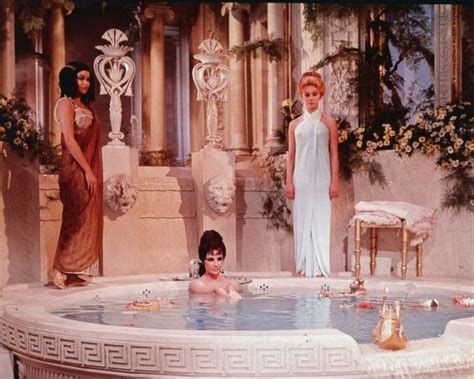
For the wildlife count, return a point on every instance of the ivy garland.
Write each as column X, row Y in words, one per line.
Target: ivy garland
column 31, row 15
column 273, row 49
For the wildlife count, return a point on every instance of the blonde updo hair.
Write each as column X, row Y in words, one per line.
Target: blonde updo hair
column 311, row 78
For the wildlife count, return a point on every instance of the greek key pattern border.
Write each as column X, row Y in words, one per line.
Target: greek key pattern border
column 172, row 358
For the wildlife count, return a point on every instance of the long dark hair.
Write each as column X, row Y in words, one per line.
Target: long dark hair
column 68, row 83
column 210, row 240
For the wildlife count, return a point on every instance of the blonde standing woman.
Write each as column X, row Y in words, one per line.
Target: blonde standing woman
column 312, row 178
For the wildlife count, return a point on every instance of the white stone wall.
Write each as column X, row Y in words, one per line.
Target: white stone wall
column 168, row 236
column 167, row 216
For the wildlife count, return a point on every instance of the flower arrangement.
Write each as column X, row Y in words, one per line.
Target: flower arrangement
column 357, row 148
column 165, row 157
column 17, row 130
column 15, row 125
column 446, row 132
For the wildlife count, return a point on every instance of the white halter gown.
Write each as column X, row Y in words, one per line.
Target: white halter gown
column 312, row 205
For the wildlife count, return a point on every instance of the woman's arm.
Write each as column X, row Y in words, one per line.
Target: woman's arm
column 233, row 285
column 334, row 157
column 65, row 116
column 290, row 160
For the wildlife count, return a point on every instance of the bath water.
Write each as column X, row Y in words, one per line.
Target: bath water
column 275, row 310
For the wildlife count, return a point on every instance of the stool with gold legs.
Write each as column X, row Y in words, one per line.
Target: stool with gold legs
column 373, row 248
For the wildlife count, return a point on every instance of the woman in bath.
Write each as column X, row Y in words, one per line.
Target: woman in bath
column 211, row 281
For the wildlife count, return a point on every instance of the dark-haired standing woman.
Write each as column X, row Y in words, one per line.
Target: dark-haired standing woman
column 80, row 179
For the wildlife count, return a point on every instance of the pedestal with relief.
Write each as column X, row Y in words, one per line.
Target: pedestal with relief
column 214, row 176
column 213, row 169
column 120, row 241
column 115, row 72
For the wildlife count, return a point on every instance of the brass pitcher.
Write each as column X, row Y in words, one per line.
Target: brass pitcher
column 388, row 333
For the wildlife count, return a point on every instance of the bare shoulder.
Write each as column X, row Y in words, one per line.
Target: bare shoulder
column 64, row 104
column 64, row 109
column 196, row 285
column 329, row 121
column 294, row 123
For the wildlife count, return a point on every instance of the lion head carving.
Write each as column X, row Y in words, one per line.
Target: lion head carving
column 219, row 192
column 120, row 193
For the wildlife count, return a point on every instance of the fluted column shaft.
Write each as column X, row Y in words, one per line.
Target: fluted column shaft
column 238, row 138
column 276, row 75
column 57, row 46
column 447, row 78
column 153, row 78
column 7, row 49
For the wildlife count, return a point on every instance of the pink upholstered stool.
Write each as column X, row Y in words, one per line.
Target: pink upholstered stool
column 373, row 247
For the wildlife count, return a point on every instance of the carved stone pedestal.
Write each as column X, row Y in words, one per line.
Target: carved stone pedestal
column 216, row 166
column 121, row 253
column 6, row 364
column 20, row 258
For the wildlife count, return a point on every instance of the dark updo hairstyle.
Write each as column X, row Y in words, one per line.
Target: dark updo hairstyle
column 68, row 81
column 210, row 241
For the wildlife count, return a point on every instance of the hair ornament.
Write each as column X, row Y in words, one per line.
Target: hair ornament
column 312, row 73
column 71, row 67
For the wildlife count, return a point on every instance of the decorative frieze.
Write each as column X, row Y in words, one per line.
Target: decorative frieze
column 292, row 355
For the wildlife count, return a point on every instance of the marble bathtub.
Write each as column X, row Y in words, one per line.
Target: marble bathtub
column 47, row 346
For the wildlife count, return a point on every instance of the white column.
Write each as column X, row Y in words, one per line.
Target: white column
column 7, row 48
column 237, row 133
column 258, row 70
column 276, row 75
column 7, row 83
column 447, row 53
column 153, row 78
column 57, row 49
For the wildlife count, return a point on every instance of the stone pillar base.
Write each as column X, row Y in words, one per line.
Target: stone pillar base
column 20, row 258
column 239, row 151
column 6, row 363
column 272, row 146
column 206, row 164
column 120, row 255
